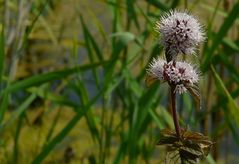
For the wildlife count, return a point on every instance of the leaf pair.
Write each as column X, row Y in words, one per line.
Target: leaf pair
column 189, row 148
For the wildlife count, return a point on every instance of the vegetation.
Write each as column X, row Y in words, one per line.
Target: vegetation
column 72, row 81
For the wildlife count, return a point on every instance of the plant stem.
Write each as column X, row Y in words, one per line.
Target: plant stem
column 174, row 112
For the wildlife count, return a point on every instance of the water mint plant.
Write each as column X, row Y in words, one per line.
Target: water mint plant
column 180, row 74
column 180, row 33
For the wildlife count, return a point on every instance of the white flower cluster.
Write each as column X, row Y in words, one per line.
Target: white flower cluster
column 180, row 74
column 179, row 33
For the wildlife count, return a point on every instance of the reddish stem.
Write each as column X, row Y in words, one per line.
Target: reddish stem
column 174, row 112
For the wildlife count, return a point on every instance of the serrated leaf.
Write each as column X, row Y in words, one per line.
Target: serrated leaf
column 191, row 146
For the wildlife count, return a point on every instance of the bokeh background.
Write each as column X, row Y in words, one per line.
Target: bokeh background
column 73, row 90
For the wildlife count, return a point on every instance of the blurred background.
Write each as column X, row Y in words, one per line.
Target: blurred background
column 72, row 81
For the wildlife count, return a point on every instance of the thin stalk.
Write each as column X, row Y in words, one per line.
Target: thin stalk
column 16, row 139
column 174, row 112
column 102, row 148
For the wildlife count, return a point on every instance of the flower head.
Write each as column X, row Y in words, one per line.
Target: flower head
column 180, row 74
column 179, row 33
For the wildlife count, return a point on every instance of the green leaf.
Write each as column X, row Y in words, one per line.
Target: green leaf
column 189, row 147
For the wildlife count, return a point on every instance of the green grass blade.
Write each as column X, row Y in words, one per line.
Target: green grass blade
column 90, row 41
column 210, row 160
column 4, row 97
column 2, row 54
column 32, row 24
column 116, row 26
column 48, row 29
column 220, row 35
column 146, row 17
column 121, row 151
column 233, row 128
column 158, row 4
column 43, row 78
column 131, row 14
column 16, row 139
column 58, row 99
column 81, row 90
column 232, row 70
column 146, row 101
column 174, row 4
column 156, row 119
column 53, row 126
column 220, row 12
column 87, row 37
column 97, row 23
column 232, row 45
column 121, row 39
column 62, row 134
column 18, row 112
column 232, row 105
column 3, row 105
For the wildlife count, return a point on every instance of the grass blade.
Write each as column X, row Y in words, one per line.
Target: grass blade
column 43, row 78
column 232, row 16
column 158, row 4
column 3, row 105
column 2, row 54
column 81, row 90
column 232, row 105
column 131, row 14
column 16, row 139
column 61, row 135
column 174, row 4
column 90, row 41
column 18, row 112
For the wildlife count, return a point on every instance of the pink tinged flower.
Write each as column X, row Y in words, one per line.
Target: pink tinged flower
column 182, row 75
column 156, row 69
column 179, row 33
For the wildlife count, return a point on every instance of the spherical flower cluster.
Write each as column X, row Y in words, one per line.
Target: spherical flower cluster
column 179, row 33
column 180, row 74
